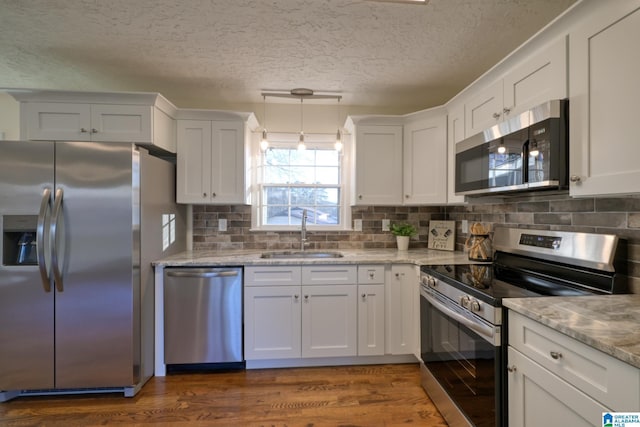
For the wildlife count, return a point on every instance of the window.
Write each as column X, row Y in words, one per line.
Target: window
column 168, row 230
column 292, row 180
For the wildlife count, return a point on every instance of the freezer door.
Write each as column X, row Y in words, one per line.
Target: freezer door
column 97, row 254
column 26, row 302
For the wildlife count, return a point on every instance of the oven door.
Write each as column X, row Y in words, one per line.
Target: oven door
column 463, row 354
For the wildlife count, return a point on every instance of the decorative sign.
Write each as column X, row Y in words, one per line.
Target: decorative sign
column 442, row 235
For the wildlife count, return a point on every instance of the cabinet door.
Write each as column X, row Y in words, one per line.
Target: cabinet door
column 371, row 320
column 227, row 162
column 193, row 174
column 425, row 161
column 484, row 110
column 455, row 134
column 272, row 322
column 378, row 165
column 329, row 320
column 121, row 123
column 539, row 398
column 56, row 121
column 401, row 297
column 604, row 70
column 539, row 79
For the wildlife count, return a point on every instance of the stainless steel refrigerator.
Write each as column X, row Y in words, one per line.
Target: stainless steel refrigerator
column 80, row 224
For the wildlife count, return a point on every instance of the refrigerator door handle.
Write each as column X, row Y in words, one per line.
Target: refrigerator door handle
column 45, row 207
column 57, row 209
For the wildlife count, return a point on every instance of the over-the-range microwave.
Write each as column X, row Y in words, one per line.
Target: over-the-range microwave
column 527, row 152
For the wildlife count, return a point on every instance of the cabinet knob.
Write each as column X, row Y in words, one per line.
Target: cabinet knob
column 406, row 196
column 398, row 275
column 94, row 130
column 296, row 296
column 506, row 110
column 364, row 296
column 555, row 355
column 360, row 196
column 83, row 130
column 371, row 275
column 213, row 195
column 511, row 368
column 306, row 297
column 574, row 178
column 496, row 115
column 204, row 194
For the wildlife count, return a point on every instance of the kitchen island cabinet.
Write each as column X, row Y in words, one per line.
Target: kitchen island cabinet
column 556, row 368
column 604, row 109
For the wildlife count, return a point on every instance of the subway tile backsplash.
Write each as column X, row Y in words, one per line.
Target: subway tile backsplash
column 619, row 216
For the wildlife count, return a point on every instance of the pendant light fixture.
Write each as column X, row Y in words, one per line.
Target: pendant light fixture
column 264, row 143
column 501, row 148
column 534, row 149
column 301, row 144
column 338, row 144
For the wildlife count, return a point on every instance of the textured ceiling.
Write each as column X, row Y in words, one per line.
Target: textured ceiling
column 215, row 53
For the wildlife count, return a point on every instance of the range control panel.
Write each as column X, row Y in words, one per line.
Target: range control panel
column 549, row 242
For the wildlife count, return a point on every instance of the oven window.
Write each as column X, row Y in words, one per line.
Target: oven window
column 463, row 363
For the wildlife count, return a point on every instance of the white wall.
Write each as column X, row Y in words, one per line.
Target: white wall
column 9, row 117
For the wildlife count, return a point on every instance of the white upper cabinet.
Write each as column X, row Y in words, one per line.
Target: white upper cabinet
column 455, row 134
column 539, row 78
column 211, row 159
column 604, row 109
column 425, row 158
column 377, row 162
column 90, row 116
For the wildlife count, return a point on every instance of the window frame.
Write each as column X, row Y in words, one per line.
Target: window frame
column 312, row 141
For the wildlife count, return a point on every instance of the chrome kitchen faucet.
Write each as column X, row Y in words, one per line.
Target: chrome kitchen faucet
column 303, row 230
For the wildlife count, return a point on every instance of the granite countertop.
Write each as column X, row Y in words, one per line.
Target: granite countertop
column 608, row 323
column 360, row 256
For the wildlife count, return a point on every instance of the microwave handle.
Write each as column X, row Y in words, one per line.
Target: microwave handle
column 525, row 161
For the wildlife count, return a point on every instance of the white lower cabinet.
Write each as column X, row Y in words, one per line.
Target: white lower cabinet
column 300, row 311
column 403, row 310
column 539, row 398
column 329, row 320
column 272, row 322
column 554, row 379
column 322, row 311
column 371, row 310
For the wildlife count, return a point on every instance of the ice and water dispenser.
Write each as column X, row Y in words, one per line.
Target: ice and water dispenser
column 19, row 239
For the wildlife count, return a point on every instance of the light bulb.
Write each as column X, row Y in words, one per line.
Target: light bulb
column 502, row 149
column 264, row 144
column 534, row 149
column 301, row 145
column 338, row 144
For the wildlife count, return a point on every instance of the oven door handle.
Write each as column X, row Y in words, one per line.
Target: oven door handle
column 486, row 331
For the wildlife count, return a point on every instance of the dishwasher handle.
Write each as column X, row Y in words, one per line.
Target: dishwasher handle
column 199, row 273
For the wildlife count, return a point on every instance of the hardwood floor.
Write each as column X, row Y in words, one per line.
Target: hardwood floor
column 373, row 395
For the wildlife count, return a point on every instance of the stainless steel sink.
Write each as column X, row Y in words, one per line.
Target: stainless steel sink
column 301, row 254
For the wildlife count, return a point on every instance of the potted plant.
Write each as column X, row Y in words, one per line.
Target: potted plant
column 403, row 233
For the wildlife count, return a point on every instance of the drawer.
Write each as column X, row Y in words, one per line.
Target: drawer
column 280, row 275
column 608, row 380
column 371, row 274
column 329, row 274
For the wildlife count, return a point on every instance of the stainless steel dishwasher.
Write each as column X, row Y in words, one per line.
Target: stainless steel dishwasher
column 203, row 315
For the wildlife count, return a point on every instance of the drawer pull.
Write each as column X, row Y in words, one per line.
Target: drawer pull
column 511, row 368
column 555, row 355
